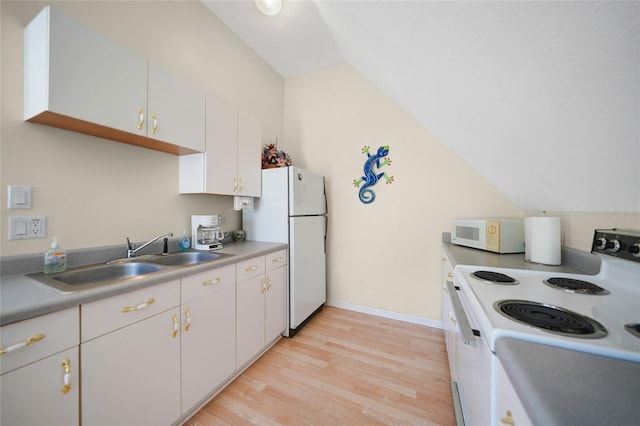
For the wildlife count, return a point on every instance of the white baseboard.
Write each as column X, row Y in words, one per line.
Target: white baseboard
column 386, row 314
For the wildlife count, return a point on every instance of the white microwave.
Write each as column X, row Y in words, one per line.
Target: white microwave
column 495, row 235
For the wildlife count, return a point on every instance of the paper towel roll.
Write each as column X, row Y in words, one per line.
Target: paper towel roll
column 542, row 240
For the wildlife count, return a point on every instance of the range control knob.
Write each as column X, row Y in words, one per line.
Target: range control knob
column 601, row 243
column 613, row 246
column 635, row 249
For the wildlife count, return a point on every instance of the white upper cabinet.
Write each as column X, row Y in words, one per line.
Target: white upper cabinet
column 175, row 111
column 231, row 164
column 249, row 162
column 79, row 80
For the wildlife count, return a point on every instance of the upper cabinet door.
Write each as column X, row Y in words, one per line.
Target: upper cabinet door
column 176, row 111
column 73, row 71
column 221, row 153
column 249, row 162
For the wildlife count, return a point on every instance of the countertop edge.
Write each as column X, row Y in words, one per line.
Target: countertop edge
column 23, row 298
column 609, row 391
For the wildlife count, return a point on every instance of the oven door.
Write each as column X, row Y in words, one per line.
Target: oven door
column 473, row 364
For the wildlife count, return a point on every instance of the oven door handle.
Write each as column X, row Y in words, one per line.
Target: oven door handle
column 463, row 322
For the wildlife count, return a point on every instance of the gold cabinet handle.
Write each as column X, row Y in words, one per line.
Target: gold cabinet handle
column 66, row 378
column 20, row 345
column 235, row 185
column 209, row 282
column 140, row 306
column 449, row 275
column 241, row 186
column 251, row 268
column 452, row 318
column 187, row 315
column 140, row 118
column 277, row 259
column 176, row 325
column 268, row 283
column 154, row 116
column 508, row 420
column 263, row 288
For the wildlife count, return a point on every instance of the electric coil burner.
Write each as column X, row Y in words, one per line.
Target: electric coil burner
column 551, row 318
column 494, row 277
column 573, row 285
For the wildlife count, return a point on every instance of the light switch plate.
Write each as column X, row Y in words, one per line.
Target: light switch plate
column 27, row 227
column 19, row 197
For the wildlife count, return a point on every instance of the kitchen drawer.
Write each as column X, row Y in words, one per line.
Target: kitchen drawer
column 208, row 282
column 250, row 268
column 102, row 316
column 276, row 259
column 49, row 334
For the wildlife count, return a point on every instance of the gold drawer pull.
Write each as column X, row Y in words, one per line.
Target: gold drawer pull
column 20, row 345
column 251, row 268
column 155, row 123
column 140, row 306
column 209, row 282
column 176, row 323
column 277, row 259
column 66, row 378
column 187, row 315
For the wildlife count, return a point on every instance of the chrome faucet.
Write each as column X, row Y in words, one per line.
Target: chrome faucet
column 131, row 250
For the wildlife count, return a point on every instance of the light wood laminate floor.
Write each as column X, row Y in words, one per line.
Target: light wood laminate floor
column 342, row 368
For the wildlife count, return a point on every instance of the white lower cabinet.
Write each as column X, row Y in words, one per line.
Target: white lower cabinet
column 40, row 370
column 508, row 409
column 261, row 304
column 208, row 336
column 131, row 374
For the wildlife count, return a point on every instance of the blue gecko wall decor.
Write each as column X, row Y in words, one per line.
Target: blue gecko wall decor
column 371, row 176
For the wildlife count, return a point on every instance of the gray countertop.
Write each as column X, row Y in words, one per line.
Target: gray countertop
column 559, row 386
column 563, row 387
column 22, row 297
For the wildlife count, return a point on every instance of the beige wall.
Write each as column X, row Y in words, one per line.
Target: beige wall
column 96, row 192
column 384, row 255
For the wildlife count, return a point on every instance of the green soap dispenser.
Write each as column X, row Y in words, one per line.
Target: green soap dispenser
column 55, row 259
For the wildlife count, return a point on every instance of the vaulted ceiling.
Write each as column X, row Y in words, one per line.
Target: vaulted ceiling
column 542, row 98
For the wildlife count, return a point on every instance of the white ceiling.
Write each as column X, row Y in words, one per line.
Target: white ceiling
column 542, row 98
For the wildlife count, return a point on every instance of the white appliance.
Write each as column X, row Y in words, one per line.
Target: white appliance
column 206, row 233
column 293, row 210
column 596, row 314
column 496, row 235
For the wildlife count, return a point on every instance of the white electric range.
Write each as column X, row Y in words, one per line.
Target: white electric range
column 591, row 313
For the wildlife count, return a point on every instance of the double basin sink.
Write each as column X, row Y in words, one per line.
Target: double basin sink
column 119, row 271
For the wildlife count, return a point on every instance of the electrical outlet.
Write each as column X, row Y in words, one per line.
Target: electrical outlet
column 27, row 227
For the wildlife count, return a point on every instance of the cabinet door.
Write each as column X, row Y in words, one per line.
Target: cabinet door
column 448, row 316
column 249, row 162
column 508, row 408
column 176, row 111
column 132, row 376
column 222, row 147
column 36, row 394
column 276, row 303
column 208, row 345
column 76, row 72
column 249, row 319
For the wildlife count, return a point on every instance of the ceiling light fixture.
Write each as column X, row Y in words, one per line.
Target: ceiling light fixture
column 269, row 7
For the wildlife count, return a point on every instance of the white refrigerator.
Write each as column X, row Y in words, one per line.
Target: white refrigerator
column 293, row 210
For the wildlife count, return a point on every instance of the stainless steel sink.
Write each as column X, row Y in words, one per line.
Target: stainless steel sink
column 184, row 258
column 96, row 276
